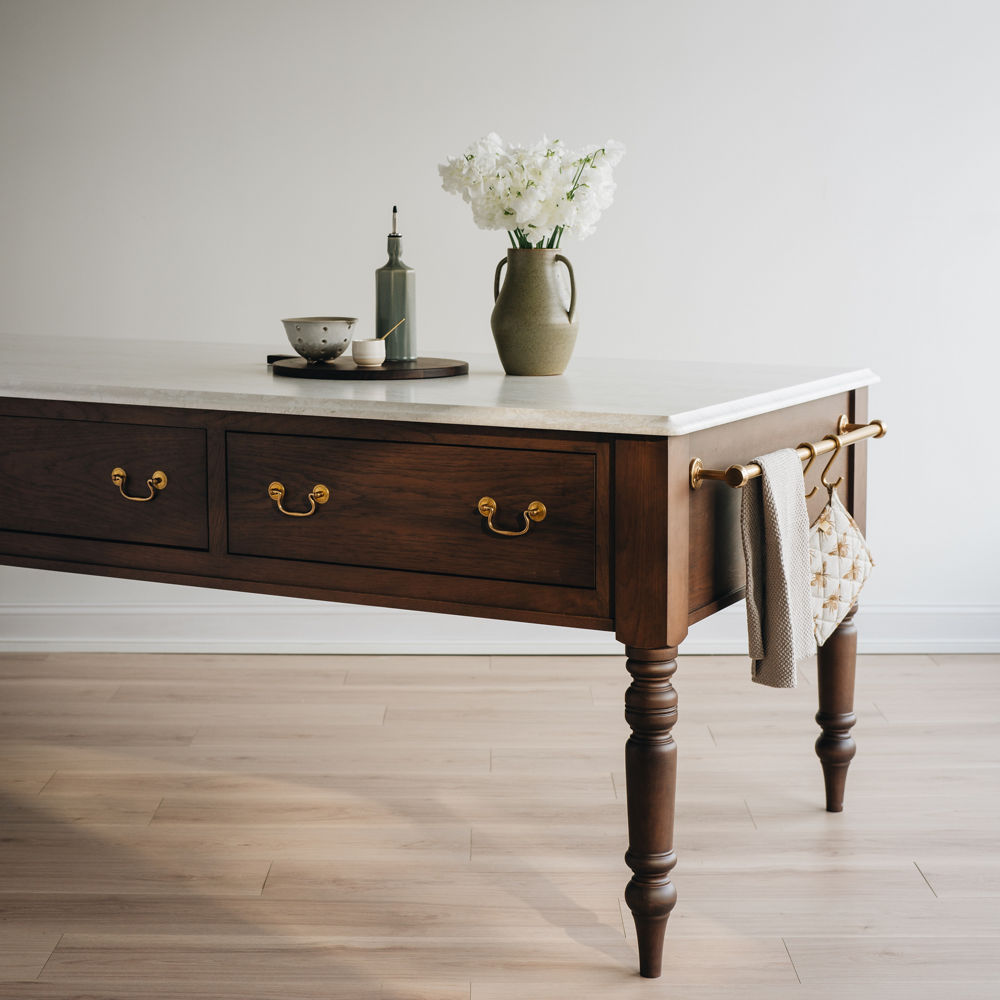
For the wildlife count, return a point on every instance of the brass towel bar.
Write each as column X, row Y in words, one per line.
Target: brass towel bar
column 739, row 475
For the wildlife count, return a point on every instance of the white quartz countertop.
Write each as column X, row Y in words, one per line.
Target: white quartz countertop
column 595, row 396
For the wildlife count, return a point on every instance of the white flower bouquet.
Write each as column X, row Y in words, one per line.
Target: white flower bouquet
column 537, row 193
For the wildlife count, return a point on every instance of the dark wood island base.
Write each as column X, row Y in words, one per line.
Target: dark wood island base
column 322, row 491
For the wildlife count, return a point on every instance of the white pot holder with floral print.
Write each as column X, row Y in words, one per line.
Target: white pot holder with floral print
column 839, row 565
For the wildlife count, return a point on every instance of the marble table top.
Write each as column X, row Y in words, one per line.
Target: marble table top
column 659, row 398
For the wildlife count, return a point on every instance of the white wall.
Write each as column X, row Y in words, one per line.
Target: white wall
column 805, row 180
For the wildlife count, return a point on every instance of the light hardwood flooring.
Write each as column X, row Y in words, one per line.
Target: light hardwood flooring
column 452, row 828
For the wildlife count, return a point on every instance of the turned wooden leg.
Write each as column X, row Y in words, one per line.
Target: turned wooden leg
column 650, row 779
column 835, row 747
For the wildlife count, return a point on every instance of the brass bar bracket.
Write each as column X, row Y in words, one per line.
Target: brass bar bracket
column 738, row 476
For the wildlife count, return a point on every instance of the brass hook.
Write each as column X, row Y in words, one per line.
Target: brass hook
column 812, row 458
column 839, row 444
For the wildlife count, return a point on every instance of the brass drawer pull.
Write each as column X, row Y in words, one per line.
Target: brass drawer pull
column 157, row 481
column 319, row 494
column 536, row 512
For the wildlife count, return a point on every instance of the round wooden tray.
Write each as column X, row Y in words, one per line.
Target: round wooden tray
column 295, row 367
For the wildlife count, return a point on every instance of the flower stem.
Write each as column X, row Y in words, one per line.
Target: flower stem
column 523, row 243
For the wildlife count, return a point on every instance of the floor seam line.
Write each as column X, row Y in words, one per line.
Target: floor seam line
column 926, row 879
column 41, row 971
column 792, row 960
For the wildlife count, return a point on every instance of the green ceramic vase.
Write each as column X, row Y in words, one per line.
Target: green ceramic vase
column 533, row 325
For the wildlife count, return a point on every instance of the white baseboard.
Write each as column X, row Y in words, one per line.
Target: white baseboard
column 264, row 625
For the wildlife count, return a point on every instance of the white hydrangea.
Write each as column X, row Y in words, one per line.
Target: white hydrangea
column 536, row 192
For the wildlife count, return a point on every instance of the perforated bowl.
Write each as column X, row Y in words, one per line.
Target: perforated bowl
column 319, row 338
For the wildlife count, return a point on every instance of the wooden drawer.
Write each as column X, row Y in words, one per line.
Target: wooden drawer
column 56, row 479
column 414, row 507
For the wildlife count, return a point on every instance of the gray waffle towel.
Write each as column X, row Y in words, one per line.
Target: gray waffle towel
column 775, row 529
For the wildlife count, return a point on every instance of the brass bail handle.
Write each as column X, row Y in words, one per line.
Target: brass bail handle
column 536, row 512
column 318, row 494
column 157, row 481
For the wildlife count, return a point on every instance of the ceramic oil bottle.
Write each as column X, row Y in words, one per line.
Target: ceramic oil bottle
column 396, row 300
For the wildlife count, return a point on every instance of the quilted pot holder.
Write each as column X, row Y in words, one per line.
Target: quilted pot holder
column 839, row 565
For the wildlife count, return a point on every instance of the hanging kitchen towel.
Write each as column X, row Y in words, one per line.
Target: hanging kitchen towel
column 839, row 563
column 775, row 528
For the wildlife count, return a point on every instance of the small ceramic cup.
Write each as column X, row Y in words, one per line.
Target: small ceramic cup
column 368, row 353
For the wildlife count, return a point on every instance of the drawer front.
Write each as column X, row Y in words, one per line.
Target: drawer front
column 56, row 477
column 415, row 507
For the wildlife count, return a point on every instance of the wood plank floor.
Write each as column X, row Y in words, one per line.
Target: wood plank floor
column 452, row 828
